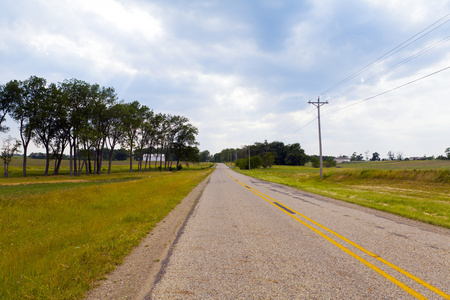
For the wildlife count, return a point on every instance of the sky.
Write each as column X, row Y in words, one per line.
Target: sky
column 244, row 71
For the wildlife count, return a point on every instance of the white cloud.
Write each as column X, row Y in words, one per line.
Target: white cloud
column 237, row 78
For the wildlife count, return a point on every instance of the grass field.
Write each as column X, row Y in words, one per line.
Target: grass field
column 418, row 190
column 36, row 167
column 59, row 234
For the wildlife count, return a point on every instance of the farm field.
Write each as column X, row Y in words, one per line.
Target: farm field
column 60, row 234
column 418, row 190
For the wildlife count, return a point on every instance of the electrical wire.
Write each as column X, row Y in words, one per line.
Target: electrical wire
column 394, row 66
column 388, row 91
column 380, row 59
column 388, row 54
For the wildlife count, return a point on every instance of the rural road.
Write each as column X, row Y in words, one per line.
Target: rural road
column 250, row 239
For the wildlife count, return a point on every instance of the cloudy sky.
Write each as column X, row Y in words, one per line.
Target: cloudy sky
column 244, row 71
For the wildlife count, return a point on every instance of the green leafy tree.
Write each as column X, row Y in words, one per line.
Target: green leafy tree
column 33, row 90
column 132, row 118
column 204, row 156
column 375, row 157
column 268, row 160
column 295, row 155
column 10, row 94
column 77, row 93
column 356, row 157
column 329, row 163
column 114, row 133
column 185, row 141
column 315, row 162
column 447, row 151
column 279, row 150
column 10, row 147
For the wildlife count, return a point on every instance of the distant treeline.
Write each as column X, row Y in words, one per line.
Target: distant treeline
column 267, row 154
column 87, row 119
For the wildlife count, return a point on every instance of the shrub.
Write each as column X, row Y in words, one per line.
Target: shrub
column 255, row 162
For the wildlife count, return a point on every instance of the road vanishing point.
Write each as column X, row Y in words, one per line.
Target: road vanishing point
column 250, row 239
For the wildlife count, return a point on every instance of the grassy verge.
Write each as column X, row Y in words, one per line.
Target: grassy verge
column 421, row 193
column 58, row 238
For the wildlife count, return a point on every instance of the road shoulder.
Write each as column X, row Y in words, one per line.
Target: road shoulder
column 135, row 278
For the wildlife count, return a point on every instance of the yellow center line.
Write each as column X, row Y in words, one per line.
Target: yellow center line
column 289, row 211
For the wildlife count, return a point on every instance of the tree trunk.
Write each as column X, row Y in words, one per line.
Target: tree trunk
column 75, row 154
column 25, row 148
column 95, row 161
column 131, row 158
column 81, row 168
column 110, row 159
column 160, row 159
column 89, row 160
column 25, row 161
column 99, row 170
column 47, row 163
column 71, row 157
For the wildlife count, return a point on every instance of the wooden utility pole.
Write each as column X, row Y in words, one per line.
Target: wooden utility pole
column 318, row 104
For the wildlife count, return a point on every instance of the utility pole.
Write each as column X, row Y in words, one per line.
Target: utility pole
column 318, row 104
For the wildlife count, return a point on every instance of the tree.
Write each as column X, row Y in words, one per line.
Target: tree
column 279, row 151
column 391, row 155
column 77, row 94
column 255, row 162
column 10, row 94
column 315, row 162
column 45, row 124
column 447, row 151
column 61, row 136
column 10, row 147
column 375, row 157
column 329, row 163
column 25, row 111
column 204, row 156
column 356, row 157
column 100, row 118
column 268, row 160
column 295, row 155
column 114, row 130
column 131, row 120
column 185, row 140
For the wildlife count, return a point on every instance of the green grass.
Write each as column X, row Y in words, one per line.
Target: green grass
column 59, row 235
column 36, row 167
column 418, row 190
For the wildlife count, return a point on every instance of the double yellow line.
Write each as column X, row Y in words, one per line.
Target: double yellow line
column 294, row 215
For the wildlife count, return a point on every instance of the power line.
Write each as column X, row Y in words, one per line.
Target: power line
column 390, row 53
column 370, row 98
column 383, row 57
column 395, row 66
column 390, row 90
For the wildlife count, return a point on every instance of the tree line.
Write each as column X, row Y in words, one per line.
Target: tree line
column 86, row 119
column 265, row 154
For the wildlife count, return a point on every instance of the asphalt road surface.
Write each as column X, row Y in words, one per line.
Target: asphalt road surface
column 250, row 239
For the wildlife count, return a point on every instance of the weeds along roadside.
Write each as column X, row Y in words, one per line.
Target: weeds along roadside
column 54, row 244
column 419, row 194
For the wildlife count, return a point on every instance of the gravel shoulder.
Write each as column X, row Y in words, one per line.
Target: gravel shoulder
column 135, row 278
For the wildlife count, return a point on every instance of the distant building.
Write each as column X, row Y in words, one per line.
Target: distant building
column 342, row 159
column 153, row 157
column 414, row 158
